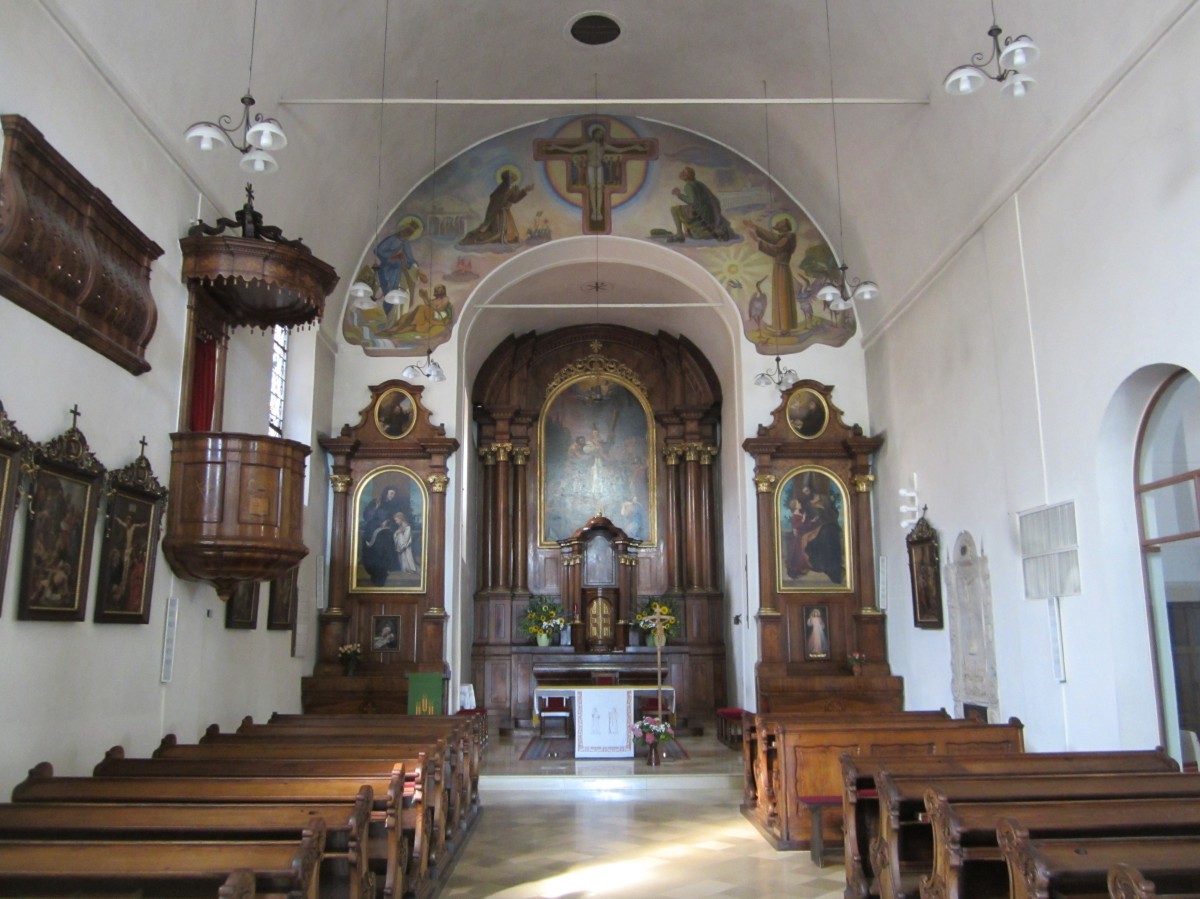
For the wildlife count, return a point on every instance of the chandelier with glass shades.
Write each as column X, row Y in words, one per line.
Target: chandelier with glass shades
column 258, row 138
column 1010, row 58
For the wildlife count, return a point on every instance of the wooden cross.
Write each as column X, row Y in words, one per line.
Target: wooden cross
column 660, row 621
column 595, row 168
column 75, row 413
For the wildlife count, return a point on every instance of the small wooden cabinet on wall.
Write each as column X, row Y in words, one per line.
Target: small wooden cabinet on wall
column 822, row 638
column 386, row 578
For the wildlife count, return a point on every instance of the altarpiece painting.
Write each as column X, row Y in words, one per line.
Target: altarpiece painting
column 596, row 445
column 813, row 552
column 389, row 532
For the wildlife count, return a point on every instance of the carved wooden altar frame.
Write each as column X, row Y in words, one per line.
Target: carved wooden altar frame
column 819, row 681
column 680, row 559
column 357, row 454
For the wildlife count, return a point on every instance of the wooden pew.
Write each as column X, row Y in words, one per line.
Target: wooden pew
column 345, row 843
column 429, row 767
column 968, row 862
column 905, row 838
column 861, row 806
column 175, row 868
column 1040, row 869
column 802, row 762
column 1127, row 882
column 478, row 723
column 43, row 786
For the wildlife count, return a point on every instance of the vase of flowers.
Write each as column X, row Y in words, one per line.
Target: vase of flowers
column 653, row 732
column 663, row 607
column 350, row 654
column 544, row 619
column 856, row 660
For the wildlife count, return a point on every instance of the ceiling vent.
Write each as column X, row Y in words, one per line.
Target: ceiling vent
column 594, row 29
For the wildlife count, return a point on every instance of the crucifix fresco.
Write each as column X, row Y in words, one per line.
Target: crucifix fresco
column 596, row 167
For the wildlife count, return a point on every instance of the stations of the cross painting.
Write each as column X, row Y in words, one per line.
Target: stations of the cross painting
column 597, row 166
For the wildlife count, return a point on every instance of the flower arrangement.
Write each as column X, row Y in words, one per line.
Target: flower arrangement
column 661, row 606
column 544, row 617
column 650, row 730
column 856, row 658
column 350, row 654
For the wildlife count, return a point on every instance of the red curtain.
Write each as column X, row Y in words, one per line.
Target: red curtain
column 204, row 384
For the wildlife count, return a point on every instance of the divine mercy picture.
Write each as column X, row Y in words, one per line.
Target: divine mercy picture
column 813, row 553
column 597, row 439
column 389, row 532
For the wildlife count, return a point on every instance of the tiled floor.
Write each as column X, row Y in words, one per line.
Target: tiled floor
column 618, row 828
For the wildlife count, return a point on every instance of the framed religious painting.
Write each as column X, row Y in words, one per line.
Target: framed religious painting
column 925, row 570
column 282, row 599
column 64, row 497
column 807, row 413
column 395, row 413
column 390, row 538
column 813, row 548
column 133, row 516
column 816, row 632
column 241, row 609
column 14, row 447
column 385, row 633
column 596, row 452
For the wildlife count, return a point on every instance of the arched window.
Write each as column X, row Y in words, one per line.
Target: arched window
column 1168, row 494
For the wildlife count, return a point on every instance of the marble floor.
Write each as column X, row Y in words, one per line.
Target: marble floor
column 617, row 828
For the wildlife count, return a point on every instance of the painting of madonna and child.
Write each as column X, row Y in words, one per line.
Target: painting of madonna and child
column 389, row 538
column 596, row 440
column 813, row 551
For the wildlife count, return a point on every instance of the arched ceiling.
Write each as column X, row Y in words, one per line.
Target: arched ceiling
column 914, row 177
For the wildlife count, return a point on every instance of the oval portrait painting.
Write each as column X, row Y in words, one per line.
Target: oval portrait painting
column 807, row 413
column 395, row 413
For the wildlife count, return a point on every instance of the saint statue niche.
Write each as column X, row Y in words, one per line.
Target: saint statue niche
column 597, row 436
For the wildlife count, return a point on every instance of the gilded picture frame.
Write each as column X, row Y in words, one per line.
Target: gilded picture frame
column 395, row 413
column 807, row 413
column 391, row 539
column 596, row 440
column 925, row 574
column 14, row 447
column 63, row 502
column 385, row 633
column 813, row 551
column 132, row 519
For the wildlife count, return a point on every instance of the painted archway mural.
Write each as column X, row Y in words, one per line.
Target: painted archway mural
column 596, row 174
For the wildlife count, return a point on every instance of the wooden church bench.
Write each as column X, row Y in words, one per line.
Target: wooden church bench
column 861, row 805
column 42, row 785
column 968, row 863
column 1127, row 882
column 800, row 757
column 172, row 868
column 903, row 848
column 345, row 843
column 1070, row 868
column 416, row 773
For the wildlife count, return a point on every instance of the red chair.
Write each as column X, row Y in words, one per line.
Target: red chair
column 556, row 708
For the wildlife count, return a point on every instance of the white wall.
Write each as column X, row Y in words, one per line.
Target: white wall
column 1017, row 378
column 68, row 691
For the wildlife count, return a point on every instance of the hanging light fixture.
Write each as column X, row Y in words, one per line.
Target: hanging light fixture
column 1016, row 53
column 430, row 371
column 780, row 377
column 257, row 139
column 841, row 294
column 362, row 294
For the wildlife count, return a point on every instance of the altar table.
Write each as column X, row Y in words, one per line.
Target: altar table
column 603, row 716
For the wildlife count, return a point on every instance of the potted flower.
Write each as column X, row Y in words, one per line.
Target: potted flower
column 653, row 732
column 350, row 654
column 663, row 607
column 544, row 618
column 856, row 660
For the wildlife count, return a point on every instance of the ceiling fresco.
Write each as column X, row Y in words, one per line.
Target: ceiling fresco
column 592, row 175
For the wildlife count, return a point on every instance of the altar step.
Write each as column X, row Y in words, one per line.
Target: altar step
column 619, row 784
